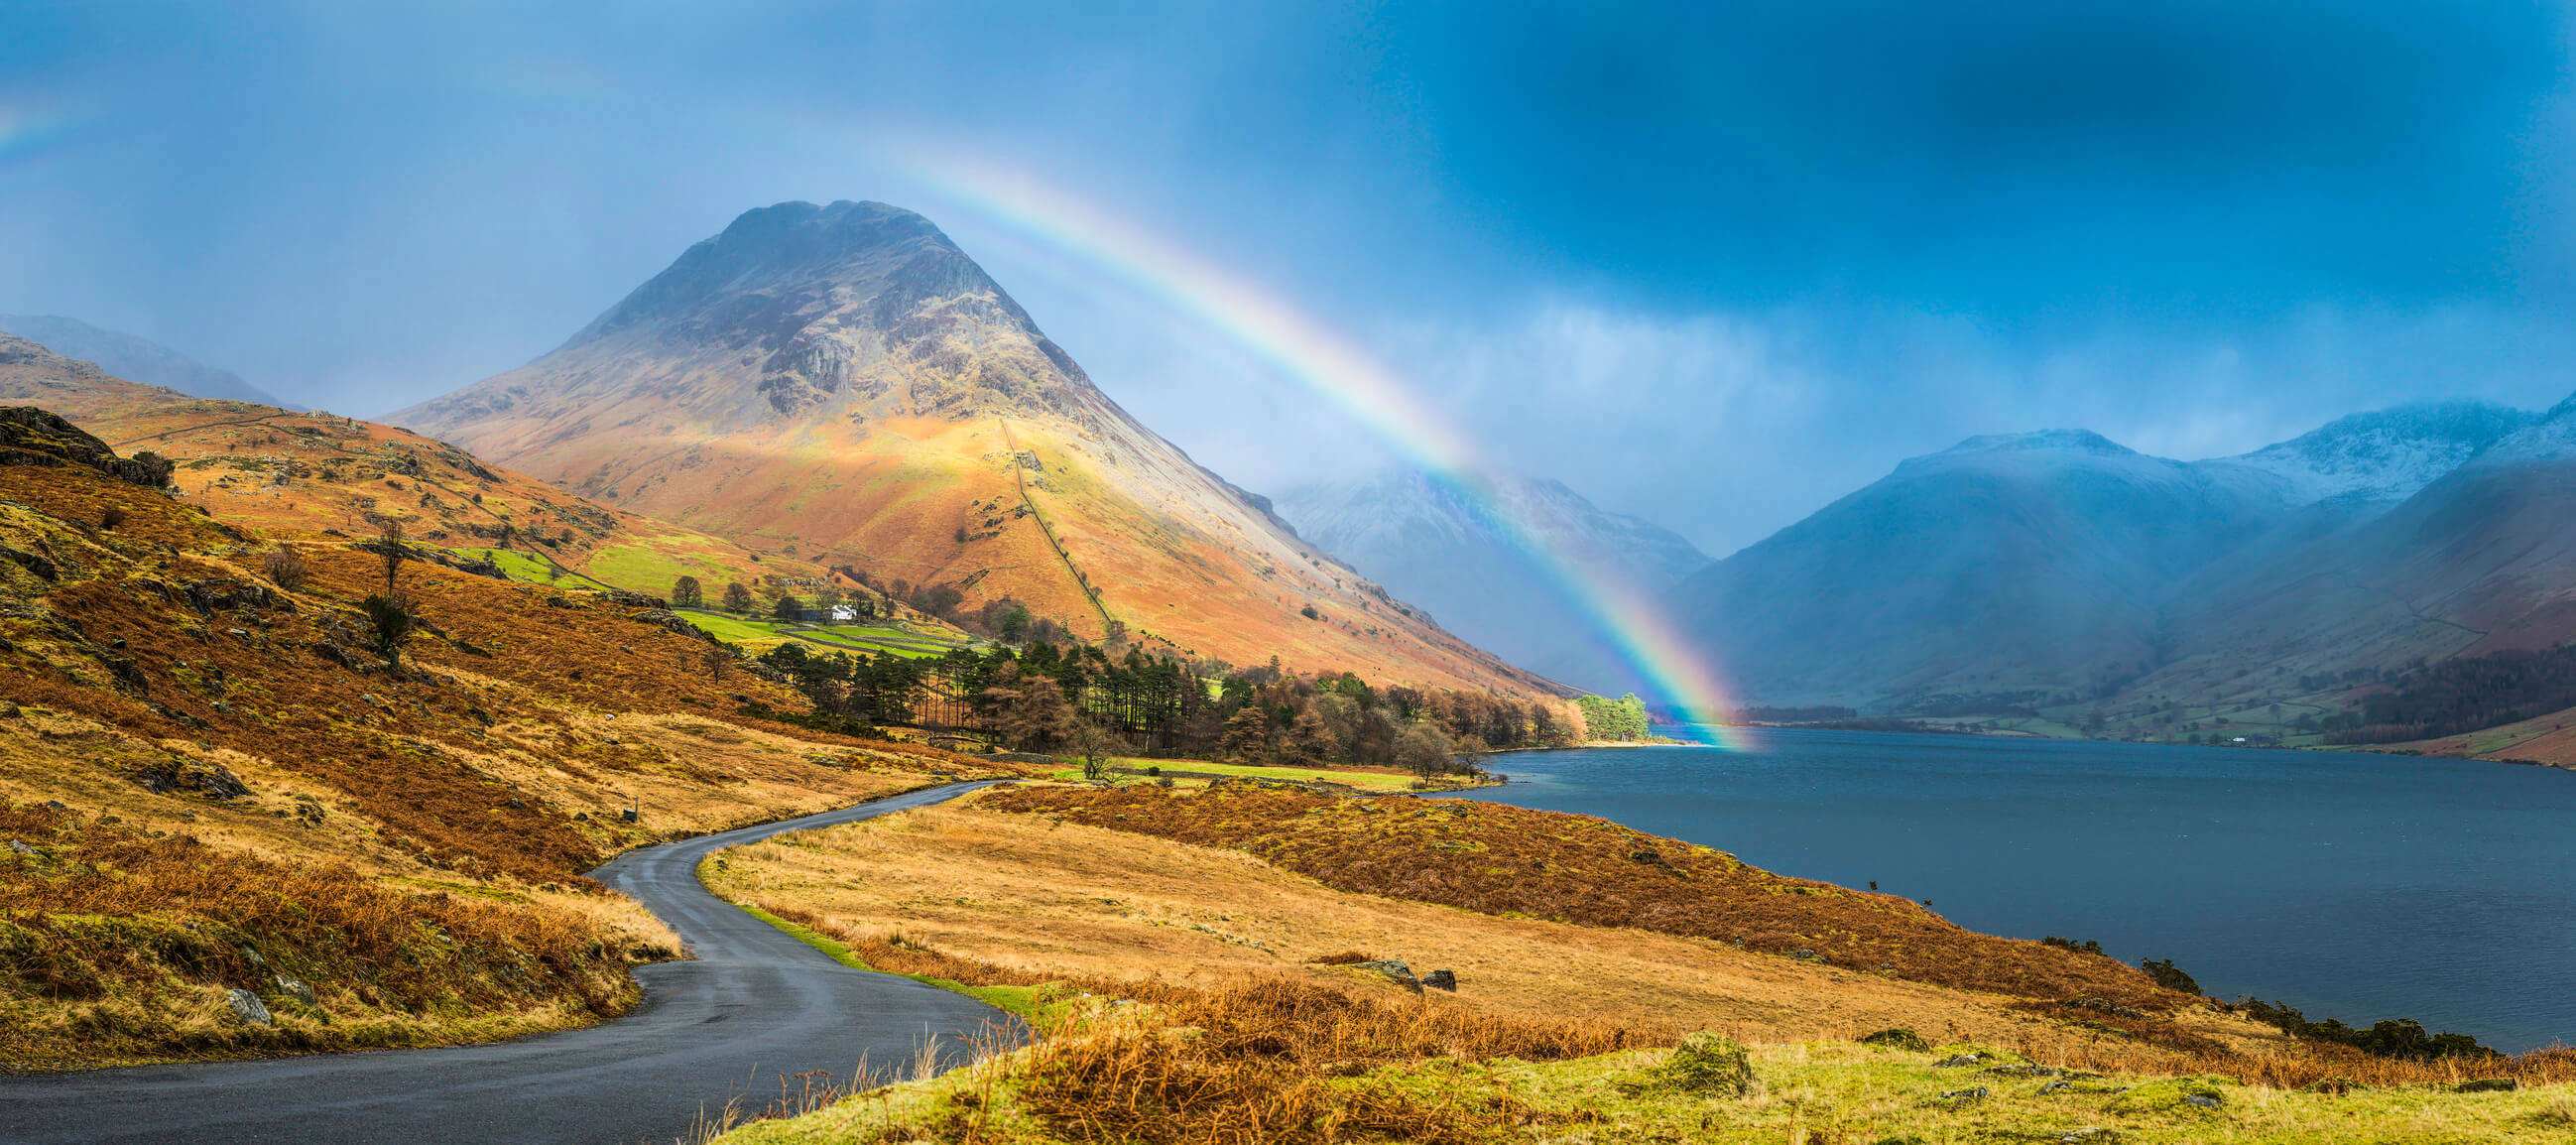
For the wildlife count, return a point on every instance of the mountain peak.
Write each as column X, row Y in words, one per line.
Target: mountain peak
column 2071, row 440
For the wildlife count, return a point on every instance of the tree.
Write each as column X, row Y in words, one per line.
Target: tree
column 1425, row 751
column 389, row 626
column 1310, row 742
column 1094, row 747
column 687, row 593
column 715, row 658
column 737, row 598
column 788, row 608
column 1039, row 720
column 1247, row 737
column 389, row 546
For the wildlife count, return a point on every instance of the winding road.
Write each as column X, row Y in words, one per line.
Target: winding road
column 753, row 1006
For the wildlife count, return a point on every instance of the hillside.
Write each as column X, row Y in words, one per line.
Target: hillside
column 128, row 356
column 1457, row 560
column 317, row 476
column 213, row 778
column 844, row 385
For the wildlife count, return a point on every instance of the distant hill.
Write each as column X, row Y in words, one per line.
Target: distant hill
column 2061, row 573
column 134, row 358
column 1452, row 556
column 842, row 383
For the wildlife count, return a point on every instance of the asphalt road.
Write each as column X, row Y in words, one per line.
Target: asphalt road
column 755, row 1004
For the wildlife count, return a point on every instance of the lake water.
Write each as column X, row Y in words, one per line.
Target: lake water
column 2352, row 886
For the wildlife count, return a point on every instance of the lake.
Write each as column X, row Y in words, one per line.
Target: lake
column 2349, row 885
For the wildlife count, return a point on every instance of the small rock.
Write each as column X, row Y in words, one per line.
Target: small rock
column 22, row 848
column 2490, row 1085
column 56, row 804
column 1956, row 1060
column 1805, row 956
column 519, row 804
column 237, row 632
column 2027, row 1071
column 1964, row 1096
column 581, row 817
column 627, row 815
column 2055, row 1087
column 248, row 1008
column 2203, row 1100
column 253, row 957
column 295, row 988
column 2089, row 1137
column 1441, row 980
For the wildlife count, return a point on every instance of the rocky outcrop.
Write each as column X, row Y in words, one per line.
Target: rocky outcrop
column 31, row 436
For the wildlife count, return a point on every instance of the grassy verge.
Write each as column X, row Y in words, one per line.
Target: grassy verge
column 1810, row 1092
column 1035, row 1005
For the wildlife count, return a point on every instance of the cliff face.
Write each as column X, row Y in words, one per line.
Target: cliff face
column 842, row 383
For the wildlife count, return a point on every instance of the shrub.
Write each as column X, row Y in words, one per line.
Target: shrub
column 1706, row 1063
column 111, row 517
column 2170, row 976
column 1896, row 1038
column 286, row 569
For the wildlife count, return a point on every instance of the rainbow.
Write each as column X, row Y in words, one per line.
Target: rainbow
column 1303, row 350
column 25, row 132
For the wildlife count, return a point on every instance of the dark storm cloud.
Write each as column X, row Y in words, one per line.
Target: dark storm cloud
column 2006, row 156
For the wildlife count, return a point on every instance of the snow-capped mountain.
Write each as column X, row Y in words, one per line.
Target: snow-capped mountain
column 2379, row 457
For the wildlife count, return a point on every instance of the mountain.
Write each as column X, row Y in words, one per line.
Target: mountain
column 127, row 356
column 2006, row 564
column 1452, row 555
column 843, row 383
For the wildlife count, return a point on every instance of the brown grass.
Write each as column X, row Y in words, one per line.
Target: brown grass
column 118, row 945
column 464, row 792
column 1498, row 859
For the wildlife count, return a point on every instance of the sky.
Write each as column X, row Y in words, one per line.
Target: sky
column 1712, row 267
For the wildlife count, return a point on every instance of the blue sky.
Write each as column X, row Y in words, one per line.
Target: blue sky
column 1711, row 266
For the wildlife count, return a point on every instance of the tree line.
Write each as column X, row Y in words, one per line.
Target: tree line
column 1077, row 698
column 2462, row 694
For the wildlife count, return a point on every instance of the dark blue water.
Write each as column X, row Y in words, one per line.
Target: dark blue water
column 2351, row 886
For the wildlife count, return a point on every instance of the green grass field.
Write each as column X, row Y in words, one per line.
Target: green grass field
column 653, row 565
column 518, row 565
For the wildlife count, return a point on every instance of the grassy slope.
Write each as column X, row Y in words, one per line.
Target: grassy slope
column 1026, row 899
column 157, row 653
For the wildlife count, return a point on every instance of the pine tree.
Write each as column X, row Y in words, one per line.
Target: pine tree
column 1247, row 737
column 1310, row 743
column 1040, row 720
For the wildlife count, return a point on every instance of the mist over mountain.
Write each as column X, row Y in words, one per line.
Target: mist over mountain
column 2059, row 568
column 843, row 384
column 1454, row 555
column 131, row 357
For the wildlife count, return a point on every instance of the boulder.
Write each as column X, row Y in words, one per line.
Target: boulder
column 1955, row 1061
column 294, row 988
column 1964, row 1096
column 1396, row 972
column 1440, row 980
column 248, row 1008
